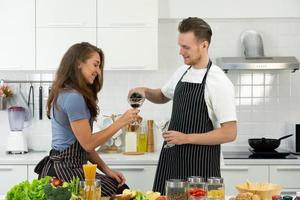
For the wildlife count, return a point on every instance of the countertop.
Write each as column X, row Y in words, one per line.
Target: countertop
column 33, row 158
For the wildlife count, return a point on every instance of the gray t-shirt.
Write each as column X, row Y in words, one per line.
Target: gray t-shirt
column 72, row 107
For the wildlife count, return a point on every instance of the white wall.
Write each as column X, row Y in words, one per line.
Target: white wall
column 267, row 102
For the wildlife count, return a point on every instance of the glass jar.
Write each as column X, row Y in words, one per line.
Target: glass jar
column 215, row 188
column 176, row 189
column 196, row 188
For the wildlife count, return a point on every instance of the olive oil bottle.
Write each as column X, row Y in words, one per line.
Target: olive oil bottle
column 142, row 138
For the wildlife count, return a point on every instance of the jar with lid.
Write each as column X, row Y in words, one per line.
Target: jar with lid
column 176, row 189
column 196, row 188
column 215, row 188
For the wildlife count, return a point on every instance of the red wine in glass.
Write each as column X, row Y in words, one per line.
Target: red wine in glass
column 135, row 100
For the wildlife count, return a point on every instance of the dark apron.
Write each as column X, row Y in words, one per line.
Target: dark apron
column 68, row 164
column 189, row 115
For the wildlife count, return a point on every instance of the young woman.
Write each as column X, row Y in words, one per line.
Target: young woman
column 72, row 108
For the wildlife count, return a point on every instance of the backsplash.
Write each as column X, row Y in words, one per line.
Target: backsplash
column 267, row 101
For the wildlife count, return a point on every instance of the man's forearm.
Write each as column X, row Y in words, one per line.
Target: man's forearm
column 221, row 135
column 155, row 96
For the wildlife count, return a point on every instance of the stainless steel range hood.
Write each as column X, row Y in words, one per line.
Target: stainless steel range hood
column 258, row 63
column 255, row 58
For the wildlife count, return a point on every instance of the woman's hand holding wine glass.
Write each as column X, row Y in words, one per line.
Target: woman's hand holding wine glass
column 129, row 116
column 135, row 100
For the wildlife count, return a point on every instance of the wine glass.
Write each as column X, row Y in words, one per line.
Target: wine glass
column 163, row 126
column 164, row 129
column 135, row 100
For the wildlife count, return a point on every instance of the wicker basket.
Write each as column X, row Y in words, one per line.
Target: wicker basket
column 264, row 190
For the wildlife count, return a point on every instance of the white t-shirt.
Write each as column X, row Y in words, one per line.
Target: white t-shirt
column 218, row 94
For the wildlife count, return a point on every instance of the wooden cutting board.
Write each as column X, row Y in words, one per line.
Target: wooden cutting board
column 133, row 153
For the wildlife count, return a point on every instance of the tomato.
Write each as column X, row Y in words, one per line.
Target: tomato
column 161, row 198
column 197, row 192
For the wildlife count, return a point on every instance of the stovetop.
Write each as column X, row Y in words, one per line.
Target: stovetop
column 251, row 154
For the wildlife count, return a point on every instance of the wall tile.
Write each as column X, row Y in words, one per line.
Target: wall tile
column 266, row 100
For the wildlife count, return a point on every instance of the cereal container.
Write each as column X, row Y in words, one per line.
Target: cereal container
column 215, row 188
column 176, row 189
column 196, row 188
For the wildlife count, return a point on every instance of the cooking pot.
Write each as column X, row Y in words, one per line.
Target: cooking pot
column 266, row 144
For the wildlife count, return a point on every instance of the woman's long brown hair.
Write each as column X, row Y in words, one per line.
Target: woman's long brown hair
column 69, row 77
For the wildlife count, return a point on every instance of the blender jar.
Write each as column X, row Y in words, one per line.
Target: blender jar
column 16, row 117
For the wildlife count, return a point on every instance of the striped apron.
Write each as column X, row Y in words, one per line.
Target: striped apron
column 189, row 115
column 68, row 164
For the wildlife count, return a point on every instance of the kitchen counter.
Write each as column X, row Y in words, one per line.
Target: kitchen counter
column 33, row 158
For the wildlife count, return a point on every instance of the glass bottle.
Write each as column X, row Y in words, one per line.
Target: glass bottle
column 150, row 136
column 215, row 188
column 176, row 189
column 142, row 138
column 196, row 188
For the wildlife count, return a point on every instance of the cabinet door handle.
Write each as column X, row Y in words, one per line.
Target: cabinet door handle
column 59, row 25
column 288, row 168
column 128, row 168
column 128, row 24
column 124, row 67
column 235, row 169
column 2, row 168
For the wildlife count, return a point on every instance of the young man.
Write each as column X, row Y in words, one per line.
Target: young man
column 203, row 112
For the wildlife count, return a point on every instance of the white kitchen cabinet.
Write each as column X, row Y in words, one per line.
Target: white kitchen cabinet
column 235, row 174
column 129, row 13
column 61, row 24
column 127, row 33
column 52, row 43
column 139, row 177
column 11, row 175
column 66, row 13
column 17, row 41
column 129, row 48
column 286, row 175
column 31, row 174
column 178, row 9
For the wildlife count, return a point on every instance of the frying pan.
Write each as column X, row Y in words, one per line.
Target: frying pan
column 266, row 144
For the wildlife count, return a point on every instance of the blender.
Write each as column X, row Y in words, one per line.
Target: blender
column 16, row 140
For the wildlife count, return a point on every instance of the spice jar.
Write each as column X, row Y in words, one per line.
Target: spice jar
column 176, row 189
column 215, row 188
column 196, row 188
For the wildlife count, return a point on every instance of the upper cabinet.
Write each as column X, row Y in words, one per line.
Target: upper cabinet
column 129, row 48
column 127, row 33
column 127, row 13
column 65, row 13
column 61, row 24
column 229, row 9
column 35, row 34
column 17, row 41
column 52, row 43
